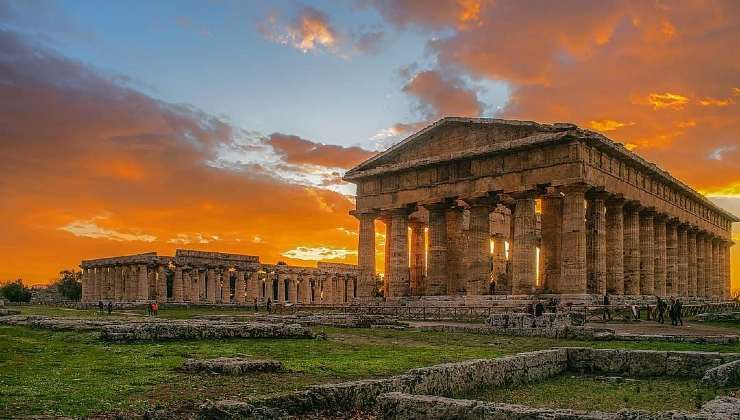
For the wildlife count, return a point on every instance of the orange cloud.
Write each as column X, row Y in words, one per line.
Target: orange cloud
column 607, row 125
column 667, row 100
column 309, row 31
column 715, row 102
column 111, row 171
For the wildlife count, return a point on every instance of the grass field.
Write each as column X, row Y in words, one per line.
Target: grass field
column 75, row 374
column 593, row 393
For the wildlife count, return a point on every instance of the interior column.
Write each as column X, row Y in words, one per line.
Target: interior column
column 683, row 260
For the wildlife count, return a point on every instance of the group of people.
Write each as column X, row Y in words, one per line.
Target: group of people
column 152, row 309
column 674, row 310
column 102, row 307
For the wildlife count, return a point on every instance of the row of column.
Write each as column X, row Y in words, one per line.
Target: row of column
column 591, row 242
column 129, row 283
column 123, row 283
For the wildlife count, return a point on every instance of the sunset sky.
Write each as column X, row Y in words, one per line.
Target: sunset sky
column 220, row 125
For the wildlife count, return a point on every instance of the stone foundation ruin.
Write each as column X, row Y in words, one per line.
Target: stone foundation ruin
column 230, row 365
column 417, row 393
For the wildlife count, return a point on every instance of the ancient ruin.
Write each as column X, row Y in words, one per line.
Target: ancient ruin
column 201, row 277
column 518, row 208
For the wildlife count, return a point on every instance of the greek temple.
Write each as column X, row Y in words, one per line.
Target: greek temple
column 201, row 277
column 475, row 206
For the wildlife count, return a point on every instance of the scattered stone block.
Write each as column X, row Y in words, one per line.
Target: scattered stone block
column 231, row 365
column 727, row 374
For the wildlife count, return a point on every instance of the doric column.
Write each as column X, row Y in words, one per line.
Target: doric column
column 708, row 265
column 328, row 290
column 143, row 287
column 194, row 286
column 683, row 261
column 292, row 289
column 254, row 286
column 632, row 248
column 672, row 258
column 388, row 249
column 226, row 286
column 281, row 287
column 177, row 285
column 574, row 240
column 341, row 289
column 152, row 283
column 727, row 292
column 524, row 244
column 661, row 254
column 597, row 235
column 647, row 252
column 454, row 248
column 211, row 279
column 132, row 284
column 187, row 285
column 85, row 286
column 716, row 289
column 437, row 280
column 366, row 253
column 239, row 290
column 161, row 284
column 91, row 296
column 418, row 253
column 691, row 239
column 117, row 283
column 550, row 251
column 479, row 246
column 700, row 265
column 398, row 283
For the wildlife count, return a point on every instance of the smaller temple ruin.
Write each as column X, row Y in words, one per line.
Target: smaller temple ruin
column 199, row 277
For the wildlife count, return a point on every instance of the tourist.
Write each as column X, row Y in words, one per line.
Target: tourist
column 539, row 309
column 269, row 305
column 256, row 308
column 677, row 312
column 155, row 308
column 607, row 312
column 672, row 311
column 101, row 307
column 492, row 288
column 149, row 310
column 660, row 307
column 110, row 307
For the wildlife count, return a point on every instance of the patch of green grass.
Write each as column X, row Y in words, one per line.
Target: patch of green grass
column 592, row 393
column 730, row 324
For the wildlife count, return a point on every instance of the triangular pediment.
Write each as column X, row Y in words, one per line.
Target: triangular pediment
column 452, row 136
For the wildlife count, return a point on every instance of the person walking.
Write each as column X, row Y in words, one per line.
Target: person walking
column 269, row 305
column 677, row 312
column 256, row 308
column 110, row 307
column 155, row 308
column 101, row 307
column 672, row 311
column 607, row 312
column 539, row 309
column 660, row 307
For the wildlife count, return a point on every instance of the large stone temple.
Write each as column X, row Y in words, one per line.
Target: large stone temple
column 475, row 206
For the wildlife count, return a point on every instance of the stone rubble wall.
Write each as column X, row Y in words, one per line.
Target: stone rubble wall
column 644, row 363
column 149, row 329
column 341, row 320
column 460, row 378
column 723, row 316
column 584, row 333
column 231, row 365
column 404, row 406
column 202, row 330
column 727, row 374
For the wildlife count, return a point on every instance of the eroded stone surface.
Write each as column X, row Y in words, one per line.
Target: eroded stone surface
column 727, row 374
column 231, row 365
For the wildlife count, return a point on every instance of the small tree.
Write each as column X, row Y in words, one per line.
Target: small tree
column 69, row 284
column 15, row 291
